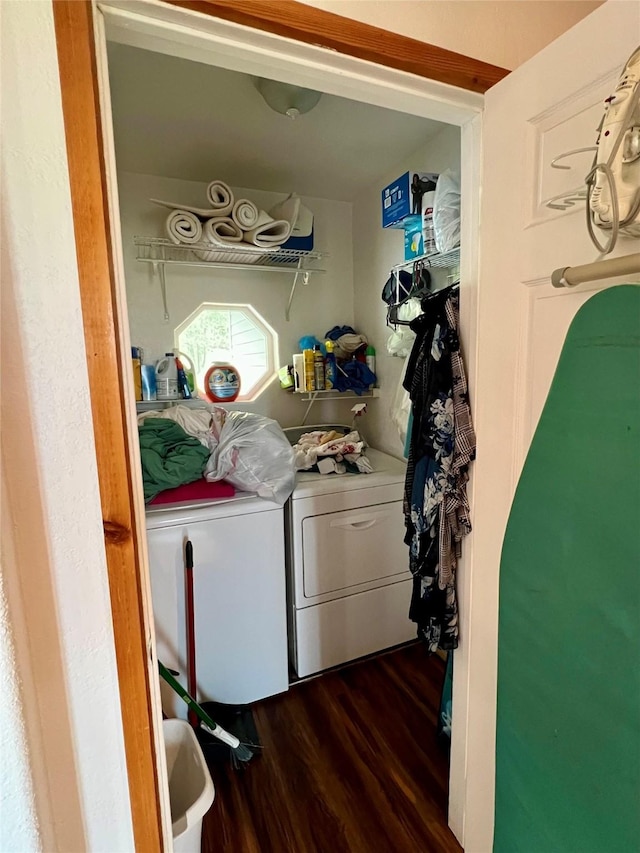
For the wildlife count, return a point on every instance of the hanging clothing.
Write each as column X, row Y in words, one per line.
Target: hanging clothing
column 441, row 447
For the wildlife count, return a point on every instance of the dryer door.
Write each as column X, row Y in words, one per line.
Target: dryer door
column 345, row 552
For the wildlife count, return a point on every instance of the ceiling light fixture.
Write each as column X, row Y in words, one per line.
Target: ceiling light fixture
column 291, row 101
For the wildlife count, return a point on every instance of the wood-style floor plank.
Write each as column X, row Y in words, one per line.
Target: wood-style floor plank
column 351, row 764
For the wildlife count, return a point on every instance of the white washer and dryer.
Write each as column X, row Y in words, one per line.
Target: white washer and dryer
column 349, row 586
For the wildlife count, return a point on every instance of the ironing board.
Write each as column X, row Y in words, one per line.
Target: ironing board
column 568, row 725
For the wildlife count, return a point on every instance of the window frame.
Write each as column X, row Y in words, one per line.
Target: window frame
column 271, row 336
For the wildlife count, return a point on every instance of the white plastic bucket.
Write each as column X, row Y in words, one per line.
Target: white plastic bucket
column 190, row 787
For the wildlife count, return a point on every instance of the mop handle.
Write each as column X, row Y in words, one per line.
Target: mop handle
column 208, row 723
column 191, row 639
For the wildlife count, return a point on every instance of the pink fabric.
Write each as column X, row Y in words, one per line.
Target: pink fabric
column 196, row 491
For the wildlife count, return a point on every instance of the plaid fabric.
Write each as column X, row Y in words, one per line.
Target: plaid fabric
column 455, row 516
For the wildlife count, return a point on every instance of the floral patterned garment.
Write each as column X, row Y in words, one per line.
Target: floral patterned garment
column 442, row 446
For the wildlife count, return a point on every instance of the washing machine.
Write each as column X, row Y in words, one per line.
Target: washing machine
column 239, row 597
column 349, row 585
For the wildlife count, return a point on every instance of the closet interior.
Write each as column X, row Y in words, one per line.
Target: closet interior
column 281, row 593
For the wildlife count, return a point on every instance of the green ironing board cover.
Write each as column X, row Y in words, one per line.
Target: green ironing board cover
column 568, row 725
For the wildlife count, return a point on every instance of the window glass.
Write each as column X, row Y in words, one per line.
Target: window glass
column 232, row 333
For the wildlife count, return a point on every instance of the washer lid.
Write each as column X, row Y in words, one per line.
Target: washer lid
column 243, row 503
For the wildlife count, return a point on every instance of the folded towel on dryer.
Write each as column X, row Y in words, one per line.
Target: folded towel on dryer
column 183, row 227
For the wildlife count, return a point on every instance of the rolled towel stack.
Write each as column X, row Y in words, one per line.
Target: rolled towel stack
column 182, row 226
column 230, row 223
column 245, row 214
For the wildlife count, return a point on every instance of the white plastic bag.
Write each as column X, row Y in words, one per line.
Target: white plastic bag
column 254, row 455
column 400, row 342
column 446, row 211
column 401, row 406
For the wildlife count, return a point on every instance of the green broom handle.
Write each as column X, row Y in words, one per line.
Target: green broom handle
column 216, row 730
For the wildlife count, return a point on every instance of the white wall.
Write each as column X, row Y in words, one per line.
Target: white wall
column 376, row 250
column 501, row 32
column 65, row 707
column 327, row 300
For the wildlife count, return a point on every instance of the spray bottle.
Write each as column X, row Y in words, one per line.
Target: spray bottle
column 183, row 382
column 330, row 368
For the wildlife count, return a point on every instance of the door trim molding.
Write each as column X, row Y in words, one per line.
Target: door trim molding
column 73, row 22
column 307, row 24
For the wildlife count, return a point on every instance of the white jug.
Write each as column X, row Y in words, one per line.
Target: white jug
column 167, row 378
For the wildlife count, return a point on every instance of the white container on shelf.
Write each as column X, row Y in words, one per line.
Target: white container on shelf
column 167, row 378
column 191, row 790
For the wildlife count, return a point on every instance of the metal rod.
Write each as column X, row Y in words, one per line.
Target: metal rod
column 571, row 276
column 159, row 269
column 287, row 310
column 312, row 400
column 284, row 267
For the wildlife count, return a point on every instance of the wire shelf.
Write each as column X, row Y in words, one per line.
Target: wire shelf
column 158, row 250
column 442, row 260
column 332, row 394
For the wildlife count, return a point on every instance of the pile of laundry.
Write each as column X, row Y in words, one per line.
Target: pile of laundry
column 332, row 453
column 230, row 223
column 181, row 445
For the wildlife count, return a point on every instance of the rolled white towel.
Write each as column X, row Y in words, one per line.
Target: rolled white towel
column 222, row 229
column 220, row 232
column 270, row 234
column 245, row 214
column 221, row 197
column 182, row 226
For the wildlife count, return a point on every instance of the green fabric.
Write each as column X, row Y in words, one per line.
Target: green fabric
column 170, row 457
column 568, row 727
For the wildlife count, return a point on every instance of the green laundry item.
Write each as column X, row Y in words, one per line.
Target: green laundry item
column 170, row 456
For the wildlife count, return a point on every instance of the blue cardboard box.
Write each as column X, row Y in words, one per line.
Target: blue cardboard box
column 403, row 197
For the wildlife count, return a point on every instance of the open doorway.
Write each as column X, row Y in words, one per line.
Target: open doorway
column 414, row 101
column 179, row 124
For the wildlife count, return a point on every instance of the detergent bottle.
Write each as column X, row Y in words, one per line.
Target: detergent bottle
column 167, row 378
column 189, row 369
column 221, row 383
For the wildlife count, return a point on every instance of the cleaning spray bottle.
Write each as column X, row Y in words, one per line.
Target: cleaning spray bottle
column 370, row 356
column 183, row 382
column 318, row 368
column 189, row 370
column 330, row 367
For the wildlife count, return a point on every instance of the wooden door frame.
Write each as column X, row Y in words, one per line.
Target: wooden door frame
column 123, row 526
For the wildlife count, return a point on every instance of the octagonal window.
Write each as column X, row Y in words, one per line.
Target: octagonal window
column 233, row 333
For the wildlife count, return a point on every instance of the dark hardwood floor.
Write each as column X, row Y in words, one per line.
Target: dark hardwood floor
column 351, row 764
